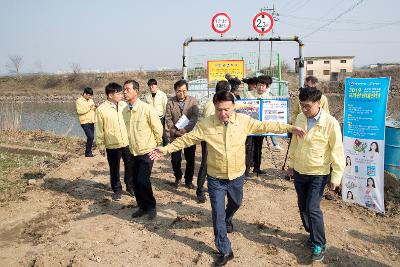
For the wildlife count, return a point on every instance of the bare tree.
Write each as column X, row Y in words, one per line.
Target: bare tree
column 14, row 64
column 76, row 68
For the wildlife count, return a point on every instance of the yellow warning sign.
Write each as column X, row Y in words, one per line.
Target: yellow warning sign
column 216, row 69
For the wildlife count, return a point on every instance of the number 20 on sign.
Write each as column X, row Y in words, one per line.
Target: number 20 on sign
column 221, row 23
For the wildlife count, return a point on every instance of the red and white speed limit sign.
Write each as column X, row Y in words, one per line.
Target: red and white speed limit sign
column 221, row 23
column 263, row 22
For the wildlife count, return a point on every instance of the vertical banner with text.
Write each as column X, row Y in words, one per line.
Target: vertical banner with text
column 364, row 141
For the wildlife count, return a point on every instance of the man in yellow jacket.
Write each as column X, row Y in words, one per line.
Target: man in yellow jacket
column 145, row 133
column 310, row 162
column 158, row 99
column 225, row 133
column 111, row 136
column 309, row 81
column 86, row 108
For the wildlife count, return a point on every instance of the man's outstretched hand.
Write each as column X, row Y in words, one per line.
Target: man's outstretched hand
column 298, row 131
column 156, row 154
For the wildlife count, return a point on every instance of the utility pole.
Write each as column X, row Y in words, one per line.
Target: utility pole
column 275, row 15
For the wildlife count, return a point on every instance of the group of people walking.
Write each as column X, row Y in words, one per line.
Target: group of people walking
column 143, row 131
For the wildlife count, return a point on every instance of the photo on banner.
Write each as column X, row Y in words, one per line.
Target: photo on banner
column 364, row 141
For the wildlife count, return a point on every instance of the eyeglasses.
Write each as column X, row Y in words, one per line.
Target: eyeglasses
column 308, row 105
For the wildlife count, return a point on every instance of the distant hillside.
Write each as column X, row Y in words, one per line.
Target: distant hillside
column 67, row 86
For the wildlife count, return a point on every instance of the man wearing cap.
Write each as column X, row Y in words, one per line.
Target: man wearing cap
column 225, row 133
column 251, row 86
column 86, row 109
column 235, row 83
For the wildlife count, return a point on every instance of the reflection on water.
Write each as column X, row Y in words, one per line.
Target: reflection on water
column 60, row 118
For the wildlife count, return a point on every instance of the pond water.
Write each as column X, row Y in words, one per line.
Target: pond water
column 59, row 118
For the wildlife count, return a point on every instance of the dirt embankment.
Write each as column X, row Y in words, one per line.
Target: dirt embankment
column 57, row 88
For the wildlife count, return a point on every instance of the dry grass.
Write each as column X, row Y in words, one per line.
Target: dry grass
column 43, row 140
column 56, row 87
column 10, row 116
column 17, row 169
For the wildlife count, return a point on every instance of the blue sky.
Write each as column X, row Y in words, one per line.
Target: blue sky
column 103, row 35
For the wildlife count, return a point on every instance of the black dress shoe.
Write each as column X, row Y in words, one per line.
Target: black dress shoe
column 176, row 183
column 189, row 186
column 89, row 155
column 130, row 192
column 138, row 213
column 152, row 214
column 330, row 195
column 223, row 259
column 116, row 196
column 201, row 198
column 247, row 175
column 229, row 227
column 260, row 172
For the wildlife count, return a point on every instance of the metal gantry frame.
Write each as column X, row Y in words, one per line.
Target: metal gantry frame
column 249, row 39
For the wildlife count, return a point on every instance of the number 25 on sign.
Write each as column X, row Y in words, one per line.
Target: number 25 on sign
column 221, row 23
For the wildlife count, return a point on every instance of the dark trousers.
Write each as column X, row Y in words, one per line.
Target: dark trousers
column 176, row 160
column 88, row 128
column 114, row 160
column 201, row 176
column 217, row 190
column 258, row 143
column 165, row 139
column 249, row 153
column 141, row 172
column 309, row 190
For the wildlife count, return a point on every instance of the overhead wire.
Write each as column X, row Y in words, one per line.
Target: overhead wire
column 367, row 27
column 334, row 19
column 298, row 5
column 345, row 21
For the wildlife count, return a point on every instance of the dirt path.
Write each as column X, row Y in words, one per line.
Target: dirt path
column 69, row 219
